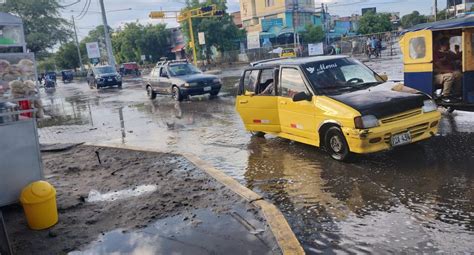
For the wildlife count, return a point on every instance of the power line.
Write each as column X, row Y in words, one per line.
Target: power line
column 83, row 8
column 87, row 10
column 71, row 4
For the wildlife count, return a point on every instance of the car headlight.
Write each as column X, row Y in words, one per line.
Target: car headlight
column 217, row 80
column 190, row 84
column 429, row 106
column 368, row 121
column 118, row 77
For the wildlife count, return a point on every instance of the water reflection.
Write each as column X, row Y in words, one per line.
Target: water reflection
column 406, row 195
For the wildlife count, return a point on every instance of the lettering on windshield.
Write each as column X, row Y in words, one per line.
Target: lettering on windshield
column 321, row 68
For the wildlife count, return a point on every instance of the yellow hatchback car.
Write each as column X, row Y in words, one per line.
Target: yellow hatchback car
column 288, row 53
column 333, row 102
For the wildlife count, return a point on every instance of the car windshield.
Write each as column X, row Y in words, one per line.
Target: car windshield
column 183, row 69
column 105, row 69
column 337, row 75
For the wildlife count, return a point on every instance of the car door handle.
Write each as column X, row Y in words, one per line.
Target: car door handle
column 283, row 102
column 243, row 101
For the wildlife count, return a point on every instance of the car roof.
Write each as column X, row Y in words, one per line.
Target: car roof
column 294, row 61
column 466, row 21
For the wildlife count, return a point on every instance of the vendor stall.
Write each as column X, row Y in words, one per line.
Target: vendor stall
column 20, row 160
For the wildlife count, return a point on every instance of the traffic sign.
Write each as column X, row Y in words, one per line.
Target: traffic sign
column 157, row 15
column 202, row 38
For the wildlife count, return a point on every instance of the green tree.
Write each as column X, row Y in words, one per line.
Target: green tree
column 66, row 57
column 413, row 19
column 220, row 32
column 135, row 40
column 372, row 23
column 312, row 34
column 46, row 64
column 44, row 27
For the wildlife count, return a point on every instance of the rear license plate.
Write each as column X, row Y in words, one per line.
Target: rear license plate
column 401, row 139
column 110, row 79
column 207, row 88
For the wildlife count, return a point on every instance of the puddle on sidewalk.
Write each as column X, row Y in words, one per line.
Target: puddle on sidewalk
column 96, row 196
column 197, row 232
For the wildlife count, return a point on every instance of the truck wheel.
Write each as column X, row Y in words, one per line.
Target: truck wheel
column 119, row 85
column 336, row 144
column 176, row 94
column 150, row 93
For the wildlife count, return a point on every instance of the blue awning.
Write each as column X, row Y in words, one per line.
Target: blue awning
column 264, row 35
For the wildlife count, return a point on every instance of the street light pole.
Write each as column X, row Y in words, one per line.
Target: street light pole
column 436, row 10
column 295, row 11
column 108, row 42
column 77, row 44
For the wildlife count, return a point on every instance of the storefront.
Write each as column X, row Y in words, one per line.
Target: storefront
column 20, row 159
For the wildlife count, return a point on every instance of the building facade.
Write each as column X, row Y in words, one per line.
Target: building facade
column 462, row 6
column 275, row 21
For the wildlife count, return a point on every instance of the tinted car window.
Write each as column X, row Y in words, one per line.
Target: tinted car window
column 337, row 74
column 250, row 80
column 266, row 82
column 164, row 72
column 291, row 82
column 104, row 69
column 183, row 69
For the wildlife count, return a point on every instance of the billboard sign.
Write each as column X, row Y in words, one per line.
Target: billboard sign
column 253, row 40
column 93, row 50
column 268, row 23
column 315, row 49
column 366, row 10
column 201, row 38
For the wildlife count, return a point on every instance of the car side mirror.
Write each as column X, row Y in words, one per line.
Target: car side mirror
column 384, row 77
column 302, row 96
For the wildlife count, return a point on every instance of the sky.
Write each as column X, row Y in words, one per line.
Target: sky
column 120, row 12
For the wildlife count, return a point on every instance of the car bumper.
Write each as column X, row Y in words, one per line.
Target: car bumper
column 107, row 83
column 377, row 139
column 194, row 91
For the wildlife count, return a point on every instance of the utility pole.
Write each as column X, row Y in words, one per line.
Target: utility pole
column 447, row 9
column 108, row 42
column 436, row 10
column 77, row 44
column 455, row 8
column 295, row 11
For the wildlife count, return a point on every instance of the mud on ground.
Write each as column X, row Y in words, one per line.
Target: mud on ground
column 181, row 188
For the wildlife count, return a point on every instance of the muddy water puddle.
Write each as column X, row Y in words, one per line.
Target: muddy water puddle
column 414, row 199
column 198, row 232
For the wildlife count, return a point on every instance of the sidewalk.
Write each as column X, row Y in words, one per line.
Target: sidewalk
column 140, row 202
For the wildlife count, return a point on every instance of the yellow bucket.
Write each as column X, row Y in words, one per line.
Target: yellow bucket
column 39, row 203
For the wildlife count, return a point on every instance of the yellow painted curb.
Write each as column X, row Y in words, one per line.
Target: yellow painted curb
column 280, row 228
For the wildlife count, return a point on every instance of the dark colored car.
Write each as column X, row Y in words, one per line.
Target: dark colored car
column 104, row 76
column 67, row 75
column 52, row 75
column 180, row 79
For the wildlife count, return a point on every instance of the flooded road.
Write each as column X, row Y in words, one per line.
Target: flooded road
column 414, row 199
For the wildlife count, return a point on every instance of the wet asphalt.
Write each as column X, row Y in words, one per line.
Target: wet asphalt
column 415, row 199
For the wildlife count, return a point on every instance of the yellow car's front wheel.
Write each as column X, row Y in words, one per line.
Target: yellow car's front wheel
column 336, row 144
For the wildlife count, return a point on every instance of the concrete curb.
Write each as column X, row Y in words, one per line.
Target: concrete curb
column 280, row 228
